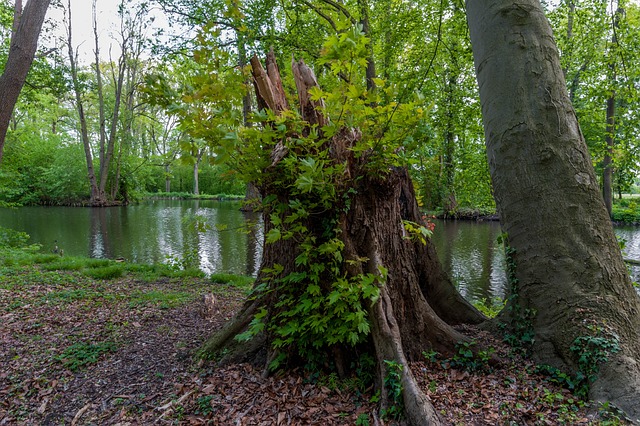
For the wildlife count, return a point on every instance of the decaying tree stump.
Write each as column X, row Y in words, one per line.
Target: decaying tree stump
column 417, row 305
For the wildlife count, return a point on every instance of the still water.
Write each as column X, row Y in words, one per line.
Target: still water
column 154, row 231
column 231, row 240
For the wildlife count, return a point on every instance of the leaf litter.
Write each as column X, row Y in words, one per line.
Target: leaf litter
column 145, row 372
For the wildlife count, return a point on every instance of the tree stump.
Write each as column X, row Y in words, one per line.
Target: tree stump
column 416, row 304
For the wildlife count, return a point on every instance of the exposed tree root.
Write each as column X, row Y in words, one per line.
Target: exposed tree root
column 388, row 346
column 225, row 337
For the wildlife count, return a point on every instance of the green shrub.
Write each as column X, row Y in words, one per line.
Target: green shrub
column 625, row 210
column 81, row 354
column 12, row 238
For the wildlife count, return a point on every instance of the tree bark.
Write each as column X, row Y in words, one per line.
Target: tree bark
column 95, row 198
column 101, row 107
column 610, row 136
column 196, row 171
column 568, row 264
column 418, row 303
column 27, row 24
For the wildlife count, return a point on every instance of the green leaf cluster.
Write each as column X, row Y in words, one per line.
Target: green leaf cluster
column 393, row 385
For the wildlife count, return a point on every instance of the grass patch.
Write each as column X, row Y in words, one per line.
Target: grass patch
column 150, row 273
column 105, row 272
column 69, row 296
column 64, row 264
column 81, row 354
column 241, row 281
column 164, row 300
column 490, row 308
column 75, row 295
column 43, row 258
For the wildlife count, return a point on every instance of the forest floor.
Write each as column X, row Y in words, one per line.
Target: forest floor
column 78, row 350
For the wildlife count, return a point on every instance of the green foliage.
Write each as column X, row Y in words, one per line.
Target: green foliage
column 490, row 309
column 161, row 299
column 591, row 351
column 204, row 405
column 363, row 420
column 12, row 238
column 556, row 376
column 394, row 388
column 626, row 211
column 82, row 354
column 469, row 358
column 518, row 332
column 416, row 232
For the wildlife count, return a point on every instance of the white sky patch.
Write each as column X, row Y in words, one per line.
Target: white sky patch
column 108, row 27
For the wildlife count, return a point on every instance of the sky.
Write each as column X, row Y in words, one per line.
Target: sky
column 82, row 26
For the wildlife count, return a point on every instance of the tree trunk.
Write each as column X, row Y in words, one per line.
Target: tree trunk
column 568, row 265
column 101, row 107
column 448, row 202
column 118, row 80
column 167, row 179
column 363, row 5
column 417, row 305
column 95, row 197
column 27, row 24
column 607, row 161
column 196, row 172
column 610, row 137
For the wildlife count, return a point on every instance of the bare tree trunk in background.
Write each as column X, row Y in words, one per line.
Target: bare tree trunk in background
column 196, row 171
column 27, row 24
column 101, row 113
column 610, row 137
column 568, row 264
column 95, row 198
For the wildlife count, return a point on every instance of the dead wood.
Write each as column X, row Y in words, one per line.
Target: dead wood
column 418, row 304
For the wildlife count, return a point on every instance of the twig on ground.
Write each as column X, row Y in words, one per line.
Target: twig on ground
column 79, row 414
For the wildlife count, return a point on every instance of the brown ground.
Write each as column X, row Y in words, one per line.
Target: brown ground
column 148, row 376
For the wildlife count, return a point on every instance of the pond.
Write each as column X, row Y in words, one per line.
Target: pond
column 154, row 231
column 218, row 237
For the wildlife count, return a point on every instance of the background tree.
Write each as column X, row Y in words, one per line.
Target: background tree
column 597, row 44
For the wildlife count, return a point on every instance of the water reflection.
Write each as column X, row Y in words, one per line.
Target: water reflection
column 231, row 241
column 154, row 231
column 630, row 236
column 470, row 252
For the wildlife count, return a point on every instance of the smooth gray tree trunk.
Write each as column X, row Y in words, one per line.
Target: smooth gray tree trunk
column 568, row 262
